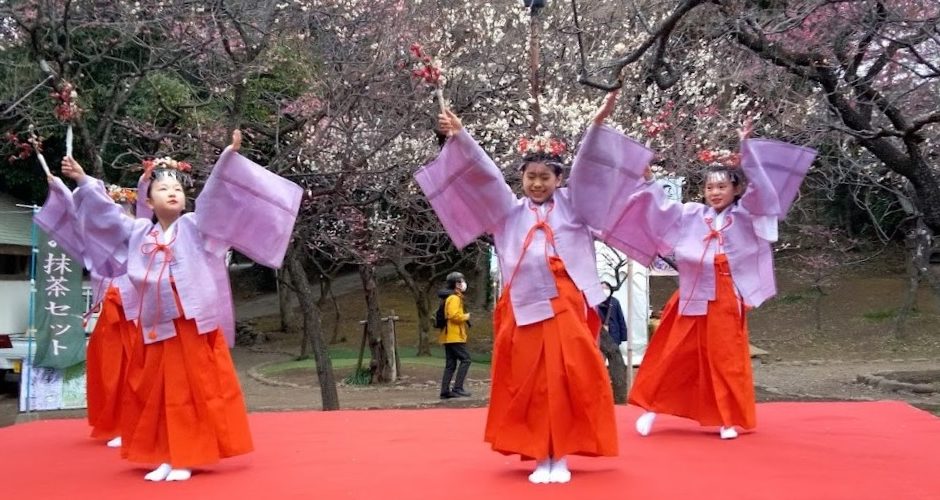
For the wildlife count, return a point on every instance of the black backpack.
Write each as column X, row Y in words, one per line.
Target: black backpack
column 440, row 321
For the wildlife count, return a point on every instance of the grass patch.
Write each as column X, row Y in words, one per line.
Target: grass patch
column 343, row 357
column 879, row 315
column 791, row 298
column 360, row 377
column 393, row 296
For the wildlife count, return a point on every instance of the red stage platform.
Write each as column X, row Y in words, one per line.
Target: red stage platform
column 881, row 450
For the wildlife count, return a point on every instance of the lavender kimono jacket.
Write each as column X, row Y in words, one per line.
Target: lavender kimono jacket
column 471, row 197
column 218, row 267
column 242, row 206
column 649, row 223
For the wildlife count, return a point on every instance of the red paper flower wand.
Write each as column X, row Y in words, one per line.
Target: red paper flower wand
column 428, row 71
column 67, row 111
column 37, row 147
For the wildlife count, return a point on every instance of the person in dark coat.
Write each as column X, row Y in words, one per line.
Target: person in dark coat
column 612, row 315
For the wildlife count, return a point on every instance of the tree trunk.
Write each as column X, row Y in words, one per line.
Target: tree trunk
column 382, row 367
column 326, row 295
column 424, row 323
column 480, row 278
column 926, row 186
column 817, row 304
column 284, row 299
column 312, row 331
column 420, row 296
column 918, row 244
column 616, row 368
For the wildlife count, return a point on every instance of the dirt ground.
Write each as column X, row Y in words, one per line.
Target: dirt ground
column 820, row 347
column 847, row 351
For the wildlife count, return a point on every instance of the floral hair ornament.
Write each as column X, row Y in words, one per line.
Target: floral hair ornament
column 721, row 165
column 122, row 195
column 544, row 145
column 168, row 167
column 719, row 157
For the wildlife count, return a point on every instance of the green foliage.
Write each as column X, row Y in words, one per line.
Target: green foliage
column 160, row 99
column 360, row 377
column 791, row 298
column 879, row 315
column 286, row 80
column 23, row 179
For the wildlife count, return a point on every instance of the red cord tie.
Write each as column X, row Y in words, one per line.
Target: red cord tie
column 152, row 249
column 716, row 234
column 549, row 239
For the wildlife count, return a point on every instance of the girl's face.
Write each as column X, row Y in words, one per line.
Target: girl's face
column 539, row 182
column 720, row 192
column 166, row 198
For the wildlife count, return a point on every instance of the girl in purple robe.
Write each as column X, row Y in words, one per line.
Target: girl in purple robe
column 551, row 395
column 184, row 406
column 697, row 365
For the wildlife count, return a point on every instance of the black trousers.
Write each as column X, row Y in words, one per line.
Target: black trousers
column 454, row 352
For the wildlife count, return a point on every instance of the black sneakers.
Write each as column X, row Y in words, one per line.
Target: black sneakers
column 456, row 393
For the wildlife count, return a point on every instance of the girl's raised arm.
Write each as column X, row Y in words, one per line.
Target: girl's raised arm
column 247, row 207
column 105, row 229
column 58, row 219
column 606, row 170
column 464, row 186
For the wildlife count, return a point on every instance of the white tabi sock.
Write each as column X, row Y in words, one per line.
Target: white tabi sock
column 560, row 472
column 644, row 424
column 158, row 474
column 542, row 472
column 179, row 475
column 728, row 432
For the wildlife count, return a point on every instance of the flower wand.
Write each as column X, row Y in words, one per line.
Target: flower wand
column 429, row 72
column 67, row 111
column 37, row 147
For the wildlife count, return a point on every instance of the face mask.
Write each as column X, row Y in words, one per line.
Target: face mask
column 462, row 286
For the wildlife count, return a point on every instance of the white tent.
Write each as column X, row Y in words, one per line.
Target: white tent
column 633, row 294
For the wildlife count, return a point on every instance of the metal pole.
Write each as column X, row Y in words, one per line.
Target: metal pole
column 31, row 328
column 629, row 325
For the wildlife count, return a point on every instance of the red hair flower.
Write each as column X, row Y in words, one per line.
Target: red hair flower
column 542, row 144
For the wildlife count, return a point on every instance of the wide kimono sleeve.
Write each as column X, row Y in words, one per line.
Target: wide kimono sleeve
column 105, row 229
column 58, row 219
column 606, row 170
column 141, row 209
column 774, row 173
column 647, row 224
column 246, row 207
column 466, row 189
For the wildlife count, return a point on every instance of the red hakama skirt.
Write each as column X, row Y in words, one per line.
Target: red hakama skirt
column 551, row 394
column 184, row 405
column 699, row 367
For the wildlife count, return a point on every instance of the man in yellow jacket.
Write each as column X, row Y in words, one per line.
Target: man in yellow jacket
column 454, row 337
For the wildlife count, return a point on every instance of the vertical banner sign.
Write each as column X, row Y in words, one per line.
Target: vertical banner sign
column 60, row 336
